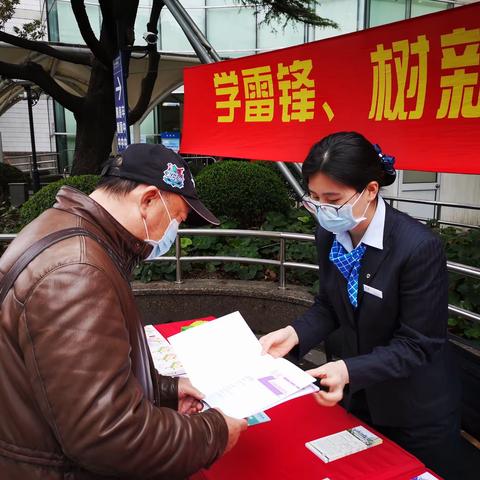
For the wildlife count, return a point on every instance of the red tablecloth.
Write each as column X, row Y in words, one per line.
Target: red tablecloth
column 276, row 449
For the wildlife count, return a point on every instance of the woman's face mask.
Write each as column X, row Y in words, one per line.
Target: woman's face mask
column 162, row 246
column 336, row 219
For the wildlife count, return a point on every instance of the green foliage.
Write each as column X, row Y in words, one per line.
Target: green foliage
column 7, row 9
column 9, row 221
column 10, row 174
column 462, row 246
column 9, row 218
column 464, row 328
column 45, row 198
column 290, row 10
column 273, row 167
column 33, row 30
column 242, row 191
column 294, row 221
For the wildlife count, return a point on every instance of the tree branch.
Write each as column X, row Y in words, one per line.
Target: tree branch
column 152, row 25
column 78, row 7
column 292, row 10
column 35, row 73
column 108, row 30
column 148, row 81
column 147, row 87
column 81, row 58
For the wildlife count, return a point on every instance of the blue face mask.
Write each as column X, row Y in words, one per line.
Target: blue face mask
column 162, row 246
column 339, row 220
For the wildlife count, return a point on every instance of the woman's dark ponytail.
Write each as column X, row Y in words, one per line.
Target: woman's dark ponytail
column 349, row 158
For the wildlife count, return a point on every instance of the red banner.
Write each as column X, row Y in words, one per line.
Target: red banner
column 412, row 87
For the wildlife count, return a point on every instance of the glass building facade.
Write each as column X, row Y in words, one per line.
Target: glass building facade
column 233, row 30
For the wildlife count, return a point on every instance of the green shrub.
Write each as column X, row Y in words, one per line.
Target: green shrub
column 273, row 167
column 9, row 218
column 242, row 191
column 462, row 246
column 10, row 174
column 45, row 198
column 9, row 222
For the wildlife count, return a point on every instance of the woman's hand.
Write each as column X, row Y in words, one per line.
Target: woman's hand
column 189, row 398
column 279, row 342
column 333, row 375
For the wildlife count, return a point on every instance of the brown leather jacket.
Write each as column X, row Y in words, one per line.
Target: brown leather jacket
column 79, row 398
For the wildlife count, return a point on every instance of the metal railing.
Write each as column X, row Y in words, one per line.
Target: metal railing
column 26, row 164
column 437, row 206
column 281, row 263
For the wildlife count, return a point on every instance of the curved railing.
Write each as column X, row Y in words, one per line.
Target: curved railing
column 282, row 263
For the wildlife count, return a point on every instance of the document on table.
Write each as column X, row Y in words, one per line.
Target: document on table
column 164, row 358
column 341, row 444
column 224, row 360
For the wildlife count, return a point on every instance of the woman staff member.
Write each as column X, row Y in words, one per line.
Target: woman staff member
column 383, row 282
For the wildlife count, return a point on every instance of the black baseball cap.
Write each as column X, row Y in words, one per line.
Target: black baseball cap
column 160, row 166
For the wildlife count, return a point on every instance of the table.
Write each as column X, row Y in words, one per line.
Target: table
column 276, row 449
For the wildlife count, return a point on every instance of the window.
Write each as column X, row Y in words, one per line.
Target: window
column 172, row 38
column 66, row 29
column 422, row 7
column 231, row 29
column 411, row 176
column 344, row 12
column 274, row 35
column 386, row 11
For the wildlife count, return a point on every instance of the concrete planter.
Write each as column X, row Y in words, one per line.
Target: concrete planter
column 263, row 305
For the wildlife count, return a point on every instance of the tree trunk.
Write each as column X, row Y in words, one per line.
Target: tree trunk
column 95, row 123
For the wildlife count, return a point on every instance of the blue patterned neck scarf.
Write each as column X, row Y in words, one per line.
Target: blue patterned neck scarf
column 349, row 266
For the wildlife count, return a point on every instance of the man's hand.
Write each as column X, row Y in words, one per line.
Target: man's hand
column 279, row 342
column 333, row 375
column 189, row 398
column 235, row 428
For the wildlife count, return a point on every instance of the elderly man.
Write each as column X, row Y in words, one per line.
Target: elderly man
column 80, row 398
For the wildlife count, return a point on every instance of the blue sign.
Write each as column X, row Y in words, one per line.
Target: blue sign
column 121, row 105
column 171, row 140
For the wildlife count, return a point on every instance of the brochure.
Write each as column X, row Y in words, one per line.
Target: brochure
column 341, row 444
column 224, row 360
column 164, row 358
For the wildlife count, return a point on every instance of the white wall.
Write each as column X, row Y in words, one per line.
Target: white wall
column 458, row 188
column 454, row 188
column 14, row 123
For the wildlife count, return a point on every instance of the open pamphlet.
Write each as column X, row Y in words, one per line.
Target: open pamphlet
column 164, row 358
column 341, row 444
column 224, row 360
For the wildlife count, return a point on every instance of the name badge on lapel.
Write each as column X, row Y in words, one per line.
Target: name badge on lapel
column 372, row 291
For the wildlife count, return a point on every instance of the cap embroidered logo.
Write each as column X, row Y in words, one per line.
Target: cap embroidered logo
column 174, row 176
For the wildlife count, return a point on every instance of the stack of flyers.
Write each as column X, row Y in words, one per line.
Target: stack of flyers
column 341, row 444
column 164, row 358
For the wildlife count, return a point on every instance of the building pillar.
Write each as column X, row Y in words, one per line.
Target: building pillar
column 136, row 132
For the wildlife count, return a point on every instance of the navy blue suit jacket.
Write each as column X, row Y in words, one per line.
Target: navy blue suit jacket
column 395, row 347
